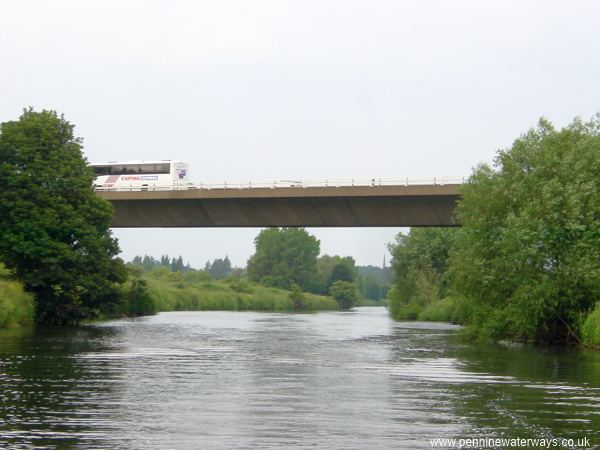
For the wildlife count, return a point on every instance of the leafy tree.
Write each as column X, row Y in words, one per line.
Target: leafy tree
column 149, row 263
column 284, row 256
column 177, row 265
column 137, row 298
column 54, row 230
column 370, row 288
column 374, row 282
column 220, row 268
column 342, row 272
column 527, row 256
column 420, row 261
column 331, row 269
column 344, row 293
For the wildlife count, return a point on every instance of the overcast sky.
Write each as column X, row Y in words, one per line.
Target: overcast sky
column 279, row 89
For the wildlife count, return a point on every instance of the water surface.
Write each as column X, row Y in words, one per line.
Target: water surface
column 252, row 380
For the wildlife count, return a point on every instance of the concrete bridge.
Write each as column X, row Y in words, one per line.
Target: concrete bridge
column 423, row 205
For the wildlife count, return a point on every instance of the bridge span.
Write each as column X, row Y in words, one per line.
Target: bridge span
column 422, row 205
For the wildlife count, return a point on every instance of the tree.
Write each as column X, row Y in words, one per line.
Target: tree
column 527, row 257
column 177, row 264
column 165, row 261
column 344, row 293
column 331, row 269
column 284, row 256
column 420, row 261
column 370, row 287
column 373, row 281
column 54, row 230
column 342, row 272
column 149, row 263
column 220, row 268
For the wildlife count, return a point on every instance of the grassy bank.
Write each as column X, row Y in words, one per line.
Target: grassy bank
column 196, row 291
column 458, row 310
column 16, row 306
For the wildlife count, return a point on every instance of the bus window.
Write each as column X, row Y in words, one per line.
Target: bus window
column 155, row 168
column 101, row 170
column 132, row 169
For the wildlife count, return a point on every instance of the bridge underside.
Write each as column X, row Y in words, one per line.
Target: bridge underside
column 294, row 207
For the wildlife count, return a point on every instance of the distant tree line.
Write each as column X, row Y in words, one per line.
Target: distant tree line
column 218, row 269
column 147, row 263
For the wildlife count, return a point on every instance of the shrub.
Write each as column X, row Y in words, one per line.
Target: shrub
column 344, row 293
column 297, row 298
column 590, row 331
column 16, row 306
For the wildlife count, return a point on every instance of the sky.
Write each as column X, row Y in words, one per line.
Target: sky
column 298, row 89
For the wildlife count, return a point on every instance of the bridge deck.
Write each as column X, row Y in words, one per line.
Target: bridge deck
column 344, row 206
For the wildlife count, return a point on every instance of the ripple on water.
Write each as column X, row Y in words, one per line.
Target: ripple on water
column 252, row 380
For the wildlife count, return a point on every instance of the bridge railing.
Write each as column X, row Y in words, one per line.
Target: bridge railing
column 289, row 183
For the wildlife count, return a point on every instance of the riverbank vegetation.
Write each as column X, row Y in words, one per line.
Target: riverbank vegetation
column 55, row 239
column 198, row 291
column 16, row 305
column 524, row 266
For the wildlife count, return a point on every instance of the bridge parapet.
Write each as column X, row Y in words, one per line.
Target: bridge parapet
column 275, row 184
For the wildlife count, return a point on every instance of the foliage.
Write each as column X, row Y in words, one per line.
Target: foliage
column 149, row 262
column 220, row 268
column 230, row 294
column 331, row 269
column 54, row 230
column 344, row 293
column 239, row 285
column 297, row 298
column 449, row 309
column 136, row 299
column 590, row 331
column 16, row 306
column 420, row 262
column 196, row 276
column 374, row 282
column 283, row 257
column 177, row 265
column 527, row 256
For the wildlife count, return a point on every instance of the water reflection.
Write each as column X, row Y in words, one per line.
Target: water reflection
column 47, row 396
column 547, row 392
column 223, row 379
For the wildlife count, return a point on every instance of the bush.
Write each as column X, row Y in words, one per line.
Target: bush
column 139, row 300
column 455, row 310
column 590, row 331
column 196, row 276
column 344, row 293
column 409, row 311
column 297, row 298
column 16, row 306
column 239, row 285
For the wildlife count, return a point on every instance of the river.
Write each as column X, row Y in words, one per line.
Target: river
column 352, row 379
